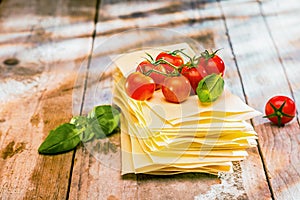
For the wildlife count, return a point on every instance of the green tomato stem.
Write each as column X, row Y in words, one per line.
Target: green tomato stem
column 189, row 57
column 148, row 73
column 167, row 62
column 278, row 113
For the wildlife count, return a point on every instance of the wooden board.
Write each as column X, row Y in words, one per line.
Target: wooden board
column 201, row 21
column 282, row 25
column 268, row 68
column 49, row 41
column 284, row 169
column 43, row 88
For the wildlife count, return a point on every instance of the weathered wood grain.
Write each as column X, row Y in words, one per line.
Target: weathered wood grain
column 267, row 68
column 202, row 22
column 49, row 41
column 284, row 169
column 285, row 34
column 255, row 66
column 280, row 147
column 96, row 172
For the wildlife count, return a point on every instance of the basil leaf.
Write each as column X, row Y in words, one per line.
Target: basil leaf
column 108, row 119
column 79, row 121
column 98, row 130
column 210, row 88
column 63, row 138
column 85, row 124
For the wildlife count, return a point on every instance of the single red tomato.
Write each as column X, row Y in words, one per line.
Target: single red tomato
column 156, row 72
column 139, row 86
column 280, row 110
column 170, row 57
column 212, row 63
column 194, row 75
column 176, row 89
column 142, row 65
column 169, row 69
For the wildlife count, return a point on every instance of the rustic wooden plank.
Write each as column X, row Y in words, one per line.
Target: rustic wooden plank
column 154, row 14
column 266, row 70
column 203, row 22
column 49, row 40
column 96, row 172
column 284, row 170
column 254, row 179
column 280, row 147
column 273, row 8
column 282, row 24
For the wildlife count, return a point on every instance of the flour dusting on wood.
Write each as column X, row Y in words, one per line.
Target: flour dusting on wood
column 231, row 187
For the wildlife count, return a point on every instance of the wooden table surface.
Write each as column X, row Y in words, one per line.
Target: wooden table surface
column 43, row 44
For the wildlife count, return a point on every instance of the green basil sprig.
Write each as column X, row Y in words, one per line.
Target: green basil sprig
column 210, row 88
column 100, row 122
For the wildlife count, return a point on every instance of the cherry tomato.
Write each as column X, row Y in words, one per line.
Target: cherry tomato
column 169, row 69
column 212, row 63
column 194, row 75
column 176, row 89
column 171, row 57
column 142, row 65
column 280, row 110
column 139, row 86
column 158, row 74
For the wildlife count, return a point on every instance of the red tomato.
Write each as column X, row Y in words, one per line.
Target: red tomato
column 169, row 69
column 280, row 110
column 194, row 75
column 158, row 75
column 212, row 63
column 176, row 89
column 171, row 57
column 139, row 87
column 143, row 64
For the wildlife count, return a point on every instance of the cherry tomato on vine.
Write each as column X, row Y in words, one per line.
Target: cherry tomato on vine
column 171, row 57
column 143, row 64
column 156, row 72
column 194, row 75
column 176, row 89
column 280, row 110
column 139, row 86
column 169, row 69
column 212, row 63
